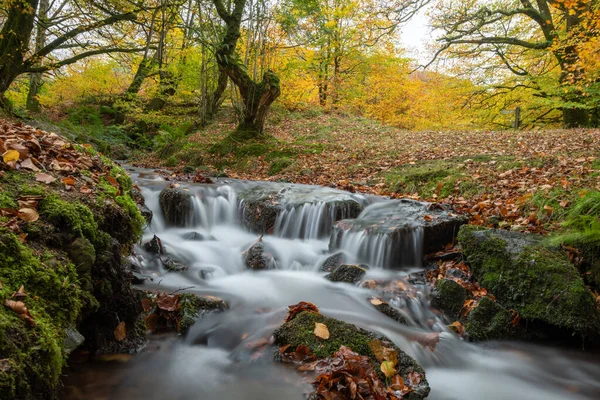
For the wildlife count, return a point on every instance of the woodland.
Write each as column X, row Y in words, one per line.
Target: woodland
column 162, row 160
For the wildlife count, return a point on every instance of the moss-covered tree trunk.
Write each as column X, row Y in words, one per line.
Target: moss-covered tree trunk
column 257, row 97
column 14, row 43
column 35, row 79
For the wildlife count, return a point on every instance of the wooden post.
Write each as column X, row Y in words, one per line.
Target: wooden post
column 517, row 121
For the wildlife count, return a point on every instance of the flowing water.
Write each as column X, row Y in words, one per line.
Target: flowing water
column 213, row 361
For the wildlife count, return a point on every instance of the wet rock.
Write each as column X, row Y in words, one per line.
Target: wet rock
column 406, row 230
column 174, row 265
column 73, row 340
column 450, row 297
column 154, row 246
column 262, row 204
column 257, row 258
column 178, row 311
column 538, row 282
column 489, row 321
column 192, row 307
column 348, row 273
column 300, row 332
column 176, row 206
column 196, row 237
column 83, row 255
column 332, row 262
column 146, row 213
column 391, row 312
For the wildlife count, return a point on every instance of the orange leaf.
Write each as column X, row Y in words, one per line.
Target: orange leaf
column 321, row 331
column 120, row 332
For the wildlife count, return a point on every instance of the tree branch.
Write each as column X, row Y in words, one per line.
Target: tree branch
column 74, row 59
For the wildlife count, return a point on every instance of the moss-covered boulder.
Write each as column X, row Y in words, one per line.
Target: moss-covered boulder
column 540, row 283
column 347, row 273
column 63, row 279
column 192, row 307
column 300, row 332
column 449, row 297
column 176, row 206
column 489, row 321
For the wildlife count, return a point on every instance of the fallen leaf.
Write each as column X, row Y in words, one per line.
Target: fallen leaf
column 300, row 307
column 69, row 180
column 28, row 214
column 10, row 156
column 42, row 177
column 120, row 332
column 321, row 331
column 388, row 369
column 167, row 302
column 376, row 302
column 28, row 164
column 414, row 378
column 147, row 304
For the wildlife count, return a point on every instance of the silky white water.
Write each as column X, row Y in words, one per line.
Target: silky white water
column 212, row 362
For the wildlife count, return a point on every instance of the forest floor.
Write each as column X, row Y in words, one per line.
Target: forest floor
column 526, row 179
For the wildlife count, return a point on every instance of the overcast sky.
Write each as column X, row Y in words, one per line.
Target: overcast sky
column 415, row 35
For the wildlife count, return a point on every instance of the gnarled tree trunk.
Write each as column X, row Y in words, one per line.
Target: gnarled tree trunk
column 14, row 43
column 257, row 97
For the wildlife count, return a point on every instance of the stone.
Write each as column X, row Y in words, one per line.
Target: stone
column 348, row 273
column 489, row 321
column 300, row 332
column 450, row 297
column 176, row 206
column 73, row 339
column 154, row 246
column 408, row 228
column 262, row 204
column 537, row 281
column 332, row 262
column 196, row 237
column 257, row 258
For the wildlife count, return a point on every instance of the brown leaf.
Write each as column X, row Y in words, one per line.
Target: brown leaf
column 167, row 302
column 397, row 383
column 147, row 304
column 300, row 307
column 85, row 190
column 321, row 331
column 377, row 349
column 28, row 164
column 120, row 332
column 112, row 181
column 151, row 322
column 414, row 378
column 376, row 302
column 69, row 181
column 42, row 177
column 28, row 214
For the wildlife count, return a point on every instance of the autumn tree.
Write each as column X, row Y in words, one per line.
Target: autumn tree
column 340, row 32
column 257, row 97
column 70, row 30
column 528, row 39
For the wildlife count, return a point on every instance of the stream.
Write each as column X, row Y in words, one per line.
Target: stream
column 213, row 361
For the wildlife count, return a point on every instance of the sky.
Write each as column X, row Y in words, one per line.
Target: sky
column 415, row 35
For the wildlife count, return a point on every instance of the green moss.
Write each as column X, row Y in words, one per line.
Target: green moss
column 300, row 331
column 191, row 307
column 489, row 321
column 450, row 297
column 7, row 200
column 279, row 164
column 54, row 299
column 72, row 217
column 539, row 282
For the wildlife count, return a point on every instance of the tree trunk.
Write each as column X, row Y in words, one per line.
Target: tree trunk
column 36, row 78
column 257, row 100
column 256, row 97
column 214, row 100
column 14, row 43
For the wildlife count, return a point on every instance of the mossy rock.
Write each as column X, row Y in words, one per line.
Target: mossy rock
column 450, row 297
column 192, row 307
column 300, row 331
column 348, row 273
column 489, row 321
column 332, row 262
column 538, row 282
column 176, row 206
